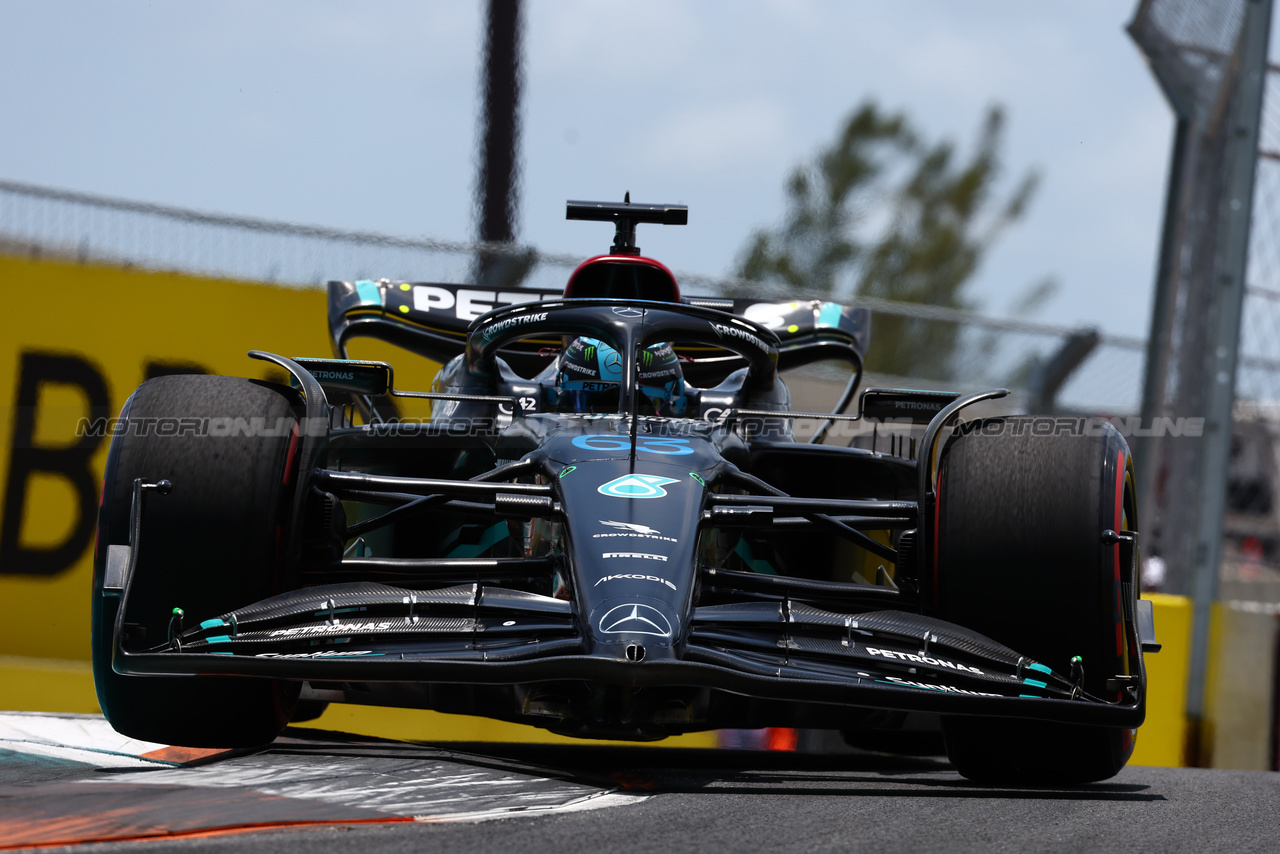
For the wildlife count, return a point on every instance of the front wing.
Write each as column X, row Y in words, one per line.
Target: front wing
column 778, row 650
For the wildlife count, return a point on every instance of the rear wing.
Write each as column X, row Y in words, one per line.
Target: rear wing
column 432, row 319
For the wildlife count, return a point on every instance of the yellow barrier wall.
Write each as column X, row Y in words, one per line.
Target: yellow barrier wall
column 76, row 340
column 1239, row 704
column 1240, row 712
column 1162, row 739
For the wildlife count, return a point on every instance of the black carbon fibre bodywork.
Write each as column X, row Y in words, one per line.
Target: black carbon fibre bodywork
column 611, row 575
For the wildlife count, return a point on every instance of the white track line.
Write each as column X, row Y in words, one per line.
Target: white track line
column 79, row 738
column 604, row 800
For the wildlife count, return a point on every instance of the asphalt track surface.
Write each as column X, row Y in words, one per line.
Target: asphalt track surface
column 312, row 793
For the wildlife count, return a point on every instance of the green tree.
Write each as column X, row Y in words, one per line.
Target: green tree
column 883, row 213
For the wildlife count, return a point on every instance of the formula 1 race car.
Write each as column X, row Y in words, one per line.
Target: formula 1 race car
column 609, row 526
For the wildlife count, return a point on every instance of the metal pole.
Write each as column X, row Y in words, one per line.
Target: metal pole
column 1160, row 340
column 1223, row 352
column 496, row 189
column 1052, row 374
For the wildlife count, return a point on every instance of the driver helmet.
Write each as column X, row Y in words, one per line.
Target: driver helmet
column 589, row 377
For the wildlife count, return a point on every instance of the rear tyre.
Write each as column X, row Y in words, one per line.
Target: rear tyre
column 211, row 545
column 1022, row 504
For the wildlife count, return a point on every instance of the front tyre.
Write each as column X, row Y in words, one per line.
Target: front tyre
column 1022, row 504
column 213, row 544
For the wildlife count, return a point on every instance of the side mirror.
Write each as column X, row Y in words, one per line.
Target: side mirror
column 350, row 375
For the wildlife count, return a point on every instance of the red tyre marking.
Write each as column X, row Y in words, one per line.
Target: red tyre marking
column 291, row 457
column 1115, row 560
column 937, row 514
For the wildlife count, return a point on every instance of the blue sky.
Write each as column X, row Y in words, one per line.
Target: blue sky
column 365, row 117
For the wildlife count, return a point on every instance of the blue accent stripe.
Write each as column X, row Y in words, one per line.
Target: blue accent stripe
column 1041, row 668
column 210, row 624
column 218, row 639
column 743, row 550
column 1035, row 683
column 369, row 293
column 829, row 314
column 493, row 535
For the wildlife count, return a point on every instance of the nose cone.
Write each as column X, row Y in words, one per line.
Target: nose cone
column 632, row 531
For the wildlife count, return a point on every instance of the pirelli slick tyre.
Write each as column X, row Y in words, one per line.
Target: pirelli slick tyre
column 1020, row 557
column 212, row 544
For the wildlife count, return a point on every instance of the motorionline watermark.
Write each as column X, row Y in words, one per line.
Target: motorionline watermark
column 223, row 427
column 754, row 427
column 1038, row 425
column 1071, row 425
column 905, row 428
column 260, row 427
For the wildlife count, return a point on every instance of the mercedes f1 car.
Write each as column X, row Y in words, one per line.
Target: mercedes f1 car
column 608, row 527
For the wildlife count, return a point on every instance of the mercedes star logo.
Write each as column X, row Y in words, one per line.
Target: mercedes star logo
column 635, row 619
column 629, row 312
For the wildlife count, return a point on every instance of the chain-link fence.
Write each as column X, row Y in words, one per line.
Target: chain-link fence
column 1197, row 51
column 1251, row 546
column 1189, row 45
column 40, row 221
column 1259, row 378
